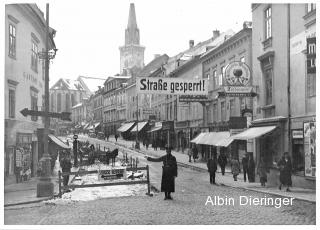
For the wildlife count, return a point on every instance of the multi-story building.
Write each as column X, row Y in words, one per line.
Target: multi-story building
column 114, row 103
column 25, row 36
column 219, row 110
column 188, row 116
column 283, row 60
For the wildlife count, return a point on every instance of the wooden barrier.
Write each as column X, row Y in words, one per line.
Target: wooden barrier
column 147, row 181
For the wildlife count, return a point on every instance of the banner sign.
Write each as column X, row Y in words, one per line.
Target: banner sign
column 148, row 111
column 237, row 73
column 309, row 130
column 168, row 125
column 193, row 98
column 237, row 91
column 175, row 86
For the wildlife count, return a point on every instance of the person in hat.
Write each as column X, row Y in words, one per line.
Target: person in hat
column 212, row 168
column 169, row 172
column 65, row 164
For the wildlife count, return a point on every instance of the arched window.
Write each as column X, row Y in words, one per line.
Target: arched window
column 72, row 100
column 68, row 102
column 59, row 102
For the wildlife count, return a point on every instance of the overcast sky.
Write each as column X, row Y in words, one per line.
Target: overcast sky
column 89, row 33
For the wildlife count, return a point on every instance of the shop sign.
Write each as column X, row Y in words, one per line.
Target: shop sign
column 147, row 111
column 194, row 98
column 237, row 122
column 168, row 125
column 297, row 134
column 237, row 91
column 177, row 86
column 237, row 74
column 309, row 130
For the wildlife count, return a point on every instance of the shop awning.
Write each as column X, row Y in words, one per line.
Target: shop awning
column 86, row 126
column 125, row 127
column 198, row 138
column 58, row 142
column 96, row 124
column 225, row 142
column 214, row 138
column 155, row 129
column 140, row 126
column 254, row 132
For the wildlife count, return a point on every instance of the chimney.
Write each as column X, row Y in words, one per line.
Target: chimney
column 156, row 56
column 191, row 44
column 216, row 33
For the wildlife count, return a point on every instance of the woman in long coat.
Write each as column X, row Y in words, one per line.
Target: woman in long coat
column 235, row 168
column 169, row 172
column 285, row 167
column 262, row 171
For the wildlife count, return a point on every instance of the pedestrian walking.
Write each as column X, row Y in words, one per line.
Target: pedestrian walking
column 251, row 169
column 262, row 171
column 235, row 168
column 222, row 160
column 169, row 172
column 116, row 136
column 65, row 165
column 212, row 168
column 190, row 154
column 245, row 165
column 285, row 167
column 195, row 153
column 147, row 143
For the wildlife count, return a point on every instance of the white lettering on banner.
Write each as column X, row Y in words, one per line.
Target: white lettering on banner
column 172, row 86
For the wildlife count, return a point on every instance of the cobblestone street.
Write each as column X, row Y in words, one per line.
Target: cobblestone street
column 188, row 207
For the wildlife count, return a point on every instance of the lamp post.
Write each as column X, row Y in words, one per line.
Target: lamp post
column 45, row 186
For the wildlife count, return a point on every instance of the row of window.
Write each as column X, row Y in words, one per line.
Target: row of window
column 34, row 49
column 310, row 7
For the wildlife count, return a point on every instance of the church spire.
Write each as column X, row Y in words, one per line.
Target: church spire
column 132, row 36
column 132, row 21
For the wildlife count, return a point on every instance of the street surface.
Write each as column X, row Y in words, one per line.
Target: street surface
column 187, row 207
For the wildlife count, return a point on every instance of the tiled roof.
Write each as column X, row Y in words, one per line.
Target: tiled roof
column 153, row 65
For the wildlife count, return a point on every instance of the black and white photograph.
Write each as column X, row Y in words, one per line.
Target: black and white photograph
column 161, row 112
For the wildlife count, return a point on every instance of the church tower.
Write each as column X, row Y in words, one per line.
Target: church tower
column 132, row 53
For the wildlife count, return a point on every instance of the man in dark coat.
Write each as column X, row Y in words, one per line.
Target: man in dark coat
column 195, row 153
column 212, row 168
column 169, row 172
column 222, row 160
column 245, row 165
column 285, row 167
column 66, row 165
column 251, row 169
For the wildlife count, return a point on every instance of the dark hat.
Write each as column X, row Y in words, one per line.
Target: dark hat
column 168, row 147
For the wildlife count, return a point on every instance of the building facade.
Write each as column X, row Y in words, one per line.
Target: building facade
column 284, row 70
column 114, row 103
column 25, row 34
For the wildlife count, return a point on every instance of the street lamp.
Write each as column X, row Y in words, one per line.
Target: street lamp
column 45, row 186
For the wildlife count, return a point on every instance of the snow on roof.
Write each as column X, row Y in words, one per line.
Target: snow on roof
column 77, row 105
column 92, row 83
column 73, row 84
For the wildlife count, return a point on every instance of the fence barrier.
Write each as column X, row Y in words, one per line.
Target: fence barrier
column 63, row 187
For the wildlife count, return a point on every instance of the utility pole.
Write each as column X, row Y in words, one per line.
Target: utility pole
column 45, row 186
column 137, row 141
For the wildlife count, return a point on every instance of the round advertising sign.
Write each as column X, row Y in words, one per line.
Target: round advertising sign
column 75, row 136
column 237, row 73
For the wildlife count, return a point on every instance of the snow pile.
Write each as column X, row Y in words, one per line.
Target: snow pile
column 88, row 194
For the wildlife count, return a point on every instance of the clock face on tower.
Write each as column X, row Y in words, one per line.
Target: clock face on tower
column 237, row 74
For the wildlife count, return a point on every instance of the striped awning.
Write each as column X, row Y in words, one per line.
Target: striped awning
column 140, row 126
column 198, row 138
column 59, row 142
column 254, row 132
column 125, row 127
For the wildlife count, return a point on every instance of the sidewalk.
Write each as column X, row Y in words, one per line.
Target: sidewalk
column 26, row 192
column 227, row 179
